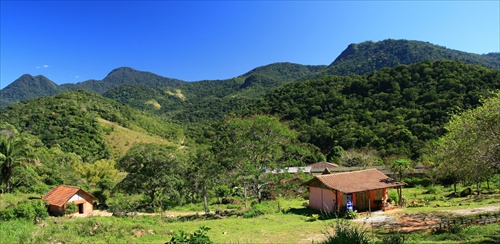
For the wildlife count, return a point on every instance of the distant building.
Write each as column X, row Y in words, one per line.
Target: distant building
column 319, row 167
column 59, row 196
column 358, row 190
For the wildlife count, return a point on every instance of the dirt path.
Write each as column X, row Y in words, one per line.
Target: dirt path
column 408, row 222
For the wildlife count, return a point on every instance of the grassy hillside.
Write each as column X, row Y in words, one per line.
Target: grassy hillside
column 121, row 139
column 70, row 120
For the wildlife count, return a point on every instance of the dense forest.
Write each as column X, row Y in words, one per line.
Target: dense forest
column 394, row 110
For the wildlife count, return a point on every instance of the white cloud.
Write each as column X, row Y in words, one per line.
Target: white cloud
column 45, row 65
column 77, row 76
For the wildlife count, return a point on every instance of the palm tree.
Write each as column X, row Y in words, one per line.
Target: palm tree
column 13, row 154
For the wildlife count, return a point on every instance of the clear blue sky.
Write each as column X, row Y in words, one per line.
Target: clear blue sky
column 73, row 41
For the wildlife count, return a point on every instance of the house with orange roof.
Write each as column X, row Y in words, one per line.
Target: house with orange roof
column 363, row 190
column 59, row 196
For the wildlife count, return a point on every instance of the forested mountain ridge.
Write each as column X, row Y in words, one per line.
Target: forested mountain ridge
column 394, row 110
column 210, row 100
column 370, row 56
column 355, row 59
column 71, row 121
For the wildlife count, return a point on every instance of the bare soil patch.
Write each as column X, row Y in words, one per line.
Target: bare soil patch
column 409, row 222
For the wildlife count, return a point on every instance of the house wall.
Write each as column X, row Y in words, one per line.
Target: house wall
column 84, row 199
column 55, row 210
column 322, row 199
column 370, row 200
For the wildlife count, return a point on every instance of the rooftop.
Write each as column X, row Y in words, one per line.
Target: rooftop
column 357, row 181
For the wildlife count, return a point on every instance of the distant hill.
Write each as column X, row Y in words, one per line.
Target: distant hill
column 124, row 76
column 370, row 56
column 88, row 124
column 27, row 87
column 209, row 100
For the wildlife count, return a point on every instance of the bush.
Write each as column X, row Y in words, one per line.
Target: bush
column 346, row 232
column 71, row 208
column 351, row 214
column 393, row 238
column 121, row 205
column 392, row 197
column 417, row 181
column 29, row 210
column 432, row 189
column 198, row 237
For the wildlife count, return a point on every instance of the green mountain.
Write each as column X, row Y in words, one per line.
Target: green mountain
column 80, row 122
column 370, row 56
column 124, row 76
column 209, row 100
column 394, row 110
column 27, row 87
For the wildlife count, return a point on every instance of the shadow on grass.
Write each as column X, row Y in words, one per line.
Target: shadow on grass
column 307, row 211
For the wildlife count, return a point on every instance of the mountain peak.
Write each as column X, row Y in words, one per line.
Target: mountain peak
column 122, row 70
column 370, row 56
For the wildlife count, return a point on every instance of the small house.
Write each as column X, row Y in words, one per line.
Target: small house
column 60, row 196
column 362, row 190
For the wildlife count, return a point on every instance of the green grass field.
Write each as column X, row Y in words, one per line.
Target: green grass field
column 293, row 224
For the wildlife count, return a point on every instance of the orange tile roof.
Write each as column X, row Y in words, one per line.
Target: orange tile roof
column 356, row 181
column 58, row 196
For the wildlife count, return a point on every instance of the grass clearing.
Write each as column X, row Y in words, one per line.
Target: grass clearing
column 121, row 139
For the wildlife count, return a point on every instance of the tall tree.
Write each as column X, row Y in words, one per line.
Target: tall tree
column 153, row 170
column 14, row 153
column 472, row 143
column 252, row 146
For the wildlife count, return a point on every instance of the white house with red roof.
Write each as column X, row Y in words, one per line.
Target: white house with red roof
column 59, row 196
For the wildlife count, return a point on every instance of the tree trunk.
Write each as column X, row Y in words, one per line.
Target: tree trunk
column 205, row 203
column 245, row 194
column 455, row 186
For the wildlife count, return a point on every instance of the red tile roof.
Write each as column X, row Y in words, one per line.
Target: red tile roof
column 356, row 181
column 58, row 196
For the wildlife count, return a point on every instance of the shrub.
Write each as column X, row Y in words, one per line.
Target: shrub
column 417, row 181
column 393, row 238
column 71, row 208
column 432, row 189
column 351, row 214
column 346, row 232
column 392, row 196
column 265, row 207
column 121, row 205
column 198, row 237
column 29, row 210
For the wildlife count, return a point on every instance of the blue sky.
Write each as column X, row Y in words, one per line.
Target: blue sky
column 75, row 41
